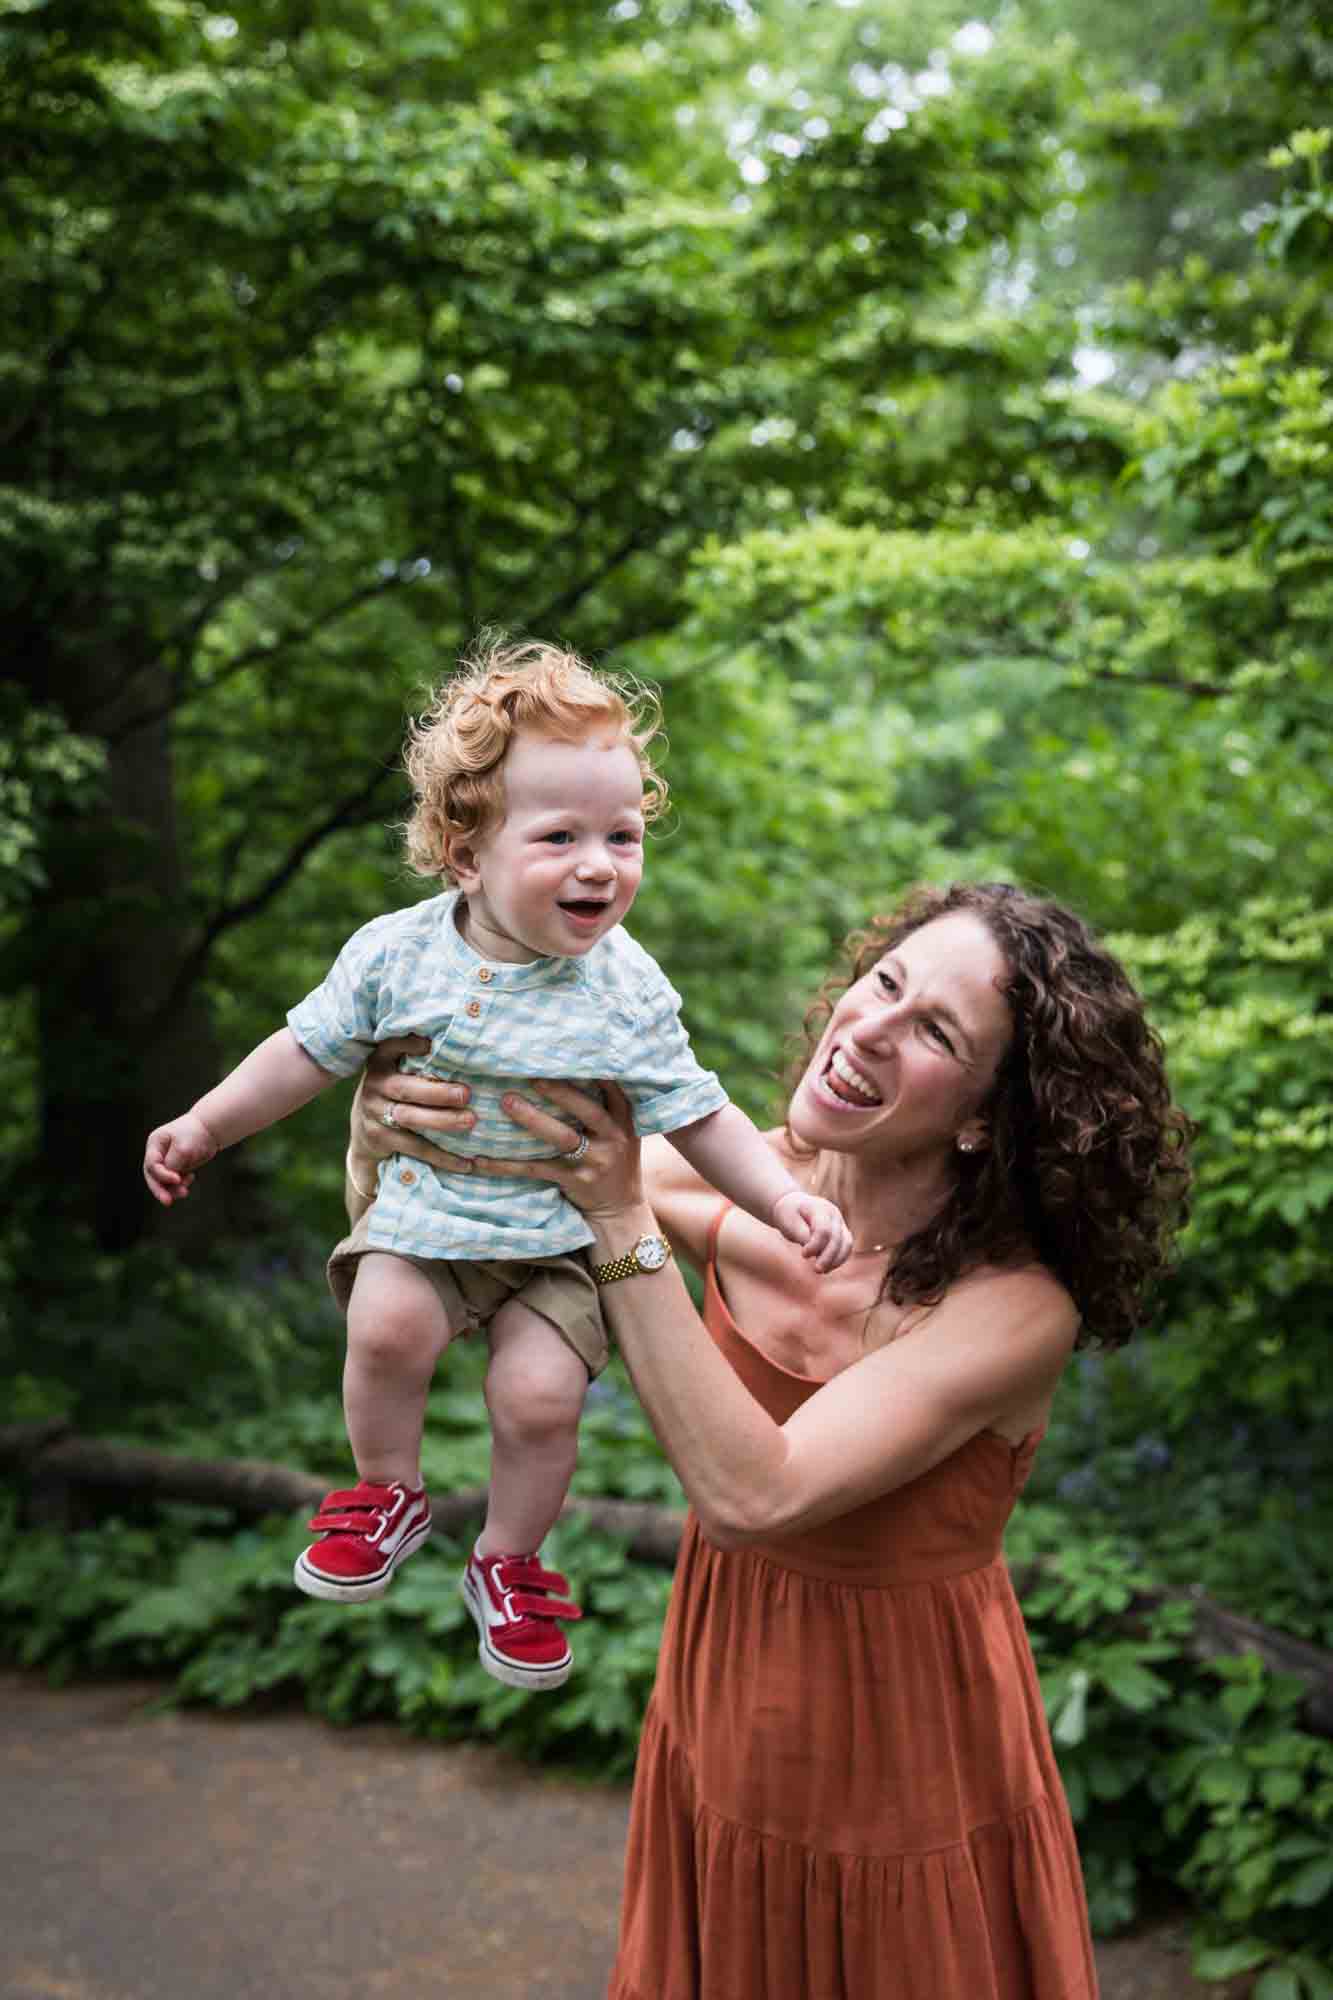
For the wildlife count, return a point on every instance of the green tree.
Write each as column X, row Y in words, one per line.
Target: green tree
column 356, row 328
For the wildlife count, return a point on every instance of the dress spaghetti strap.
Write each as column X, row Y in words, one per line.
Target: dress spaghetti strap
column 723, row 1210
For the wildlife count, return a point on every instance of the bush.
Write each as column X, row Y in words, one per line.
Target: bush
column 1178, row 1772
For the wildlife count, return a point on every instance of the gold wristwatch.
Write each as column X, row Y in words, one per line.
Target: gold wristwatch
column 649, row 1254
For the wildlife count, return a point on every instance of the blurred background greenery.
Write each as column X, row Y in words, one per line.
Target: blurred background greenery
column 935, row 403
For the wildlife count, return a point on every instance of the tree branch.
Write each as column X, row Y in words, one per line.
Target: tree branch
column 239, row 661
column 351, row 811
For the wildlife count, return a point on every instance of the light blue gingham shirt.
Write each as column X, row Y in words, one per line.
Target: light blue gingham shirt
column 611, row 1013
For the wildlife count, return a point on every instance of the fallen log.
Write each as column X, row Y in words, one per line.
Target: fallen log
column 64, row 1473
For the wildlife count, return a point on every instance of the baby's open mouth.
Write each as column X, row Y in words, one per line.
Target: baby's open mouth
column 585, row 906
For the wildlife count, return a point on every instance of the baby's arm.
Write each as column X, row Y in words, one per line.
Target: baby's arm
column 734, row 1157
column 273, row 1080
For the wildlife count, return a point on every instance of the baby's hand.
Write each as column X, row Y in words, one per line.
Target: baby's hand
column 173, row 1153
column 816, row 1225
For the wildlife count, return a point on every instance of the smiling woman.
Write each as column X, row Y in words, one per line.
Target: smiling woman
column 846, row 1786
column 1079, row 1155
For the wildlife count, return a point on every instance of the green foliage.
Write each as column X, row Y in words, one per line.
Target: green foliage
column 190, row 1346
column 44, row 768
column 220, row 1617
column 1243, row 1000
column 1194, row 1773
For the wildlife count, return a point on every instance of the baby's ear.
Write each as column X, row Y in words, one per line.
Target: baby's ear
column 460, row 860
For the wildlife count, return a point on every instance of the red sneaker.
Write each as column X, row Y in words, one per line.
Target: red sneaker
column 365, row 1534
column 516, row 1605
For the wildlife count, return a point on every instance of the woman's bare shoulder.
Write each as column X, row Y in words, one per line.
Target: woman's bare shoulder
column 684, row 1202
column 1021, row 1280
column 1017, row 1313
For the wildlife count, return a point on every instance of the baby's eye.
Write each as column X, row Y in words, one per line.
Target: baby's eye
column 625, row 838
column 558, row 839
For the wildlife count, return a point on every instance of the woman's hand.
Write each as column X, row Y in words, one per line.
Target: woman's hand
column 394, row 1110
column 607, row 1177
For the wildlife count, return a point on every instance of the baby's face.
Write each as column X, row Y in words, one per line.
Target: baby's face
column 563, row 866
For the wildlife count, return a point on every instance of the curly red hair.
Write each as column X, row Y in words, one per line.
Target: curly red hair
column 1088, row 1162
column 455, row 752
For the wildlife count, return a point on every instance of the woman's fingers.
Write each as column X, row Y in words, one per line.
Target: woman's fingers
column 599, row 1176
column 560, row 1133
column 396, row 1110
column 591, row 1112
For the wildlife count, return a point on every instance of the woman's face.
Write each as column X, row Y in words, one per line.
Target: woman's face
column 911, row 1050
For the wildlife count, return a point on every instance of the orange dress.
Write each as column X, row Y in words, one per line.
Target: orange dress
column 845, row 1787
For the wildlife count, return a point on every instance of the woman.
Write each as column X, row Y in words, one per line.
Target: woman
column 846, row 1788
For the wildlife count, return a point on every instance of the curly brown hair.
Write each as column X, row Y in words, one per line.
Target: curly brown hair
column 455, row 752
column 1088, row 1162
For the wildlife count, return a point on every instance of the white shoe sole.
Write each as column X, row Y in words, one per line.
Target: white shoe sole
column 536, row 1679
column 315, row 1584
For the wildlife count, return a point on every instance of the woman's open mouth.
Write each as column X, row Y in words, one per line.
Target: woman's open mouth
column 845, row 1082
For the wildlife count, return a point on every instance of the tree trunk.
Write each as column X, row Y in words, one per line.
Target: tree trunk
column 108, row 935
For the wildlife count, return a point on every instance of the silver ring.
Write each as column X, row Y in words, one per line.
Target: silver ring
column 577, row 1152
column 387, row 1117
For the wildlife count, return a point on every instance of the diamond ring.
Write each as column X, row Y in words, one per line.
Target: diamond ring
column 577, row 1152
column 388, row 1118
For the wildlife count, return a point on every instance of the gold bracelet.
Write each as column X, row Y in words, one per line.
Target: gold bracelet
column 366, row 1194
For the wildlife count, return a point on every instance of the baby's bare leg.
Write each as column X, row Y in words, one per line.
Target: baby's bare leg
column 397, row 1329
column 535, row 1387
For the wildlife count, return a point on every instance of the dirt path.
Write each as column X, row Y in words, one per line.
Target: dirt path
column 268, row 1857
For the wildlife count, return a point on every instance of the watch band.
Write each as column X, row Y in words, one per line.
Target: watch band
column 619, row 1267
column 649, row 1254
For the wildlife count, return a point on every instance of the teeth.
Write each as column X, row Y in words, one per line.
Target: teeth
column 844, row 1072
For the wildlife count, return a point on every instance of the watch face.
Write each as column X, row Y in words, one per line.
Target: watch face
column 651, row 1253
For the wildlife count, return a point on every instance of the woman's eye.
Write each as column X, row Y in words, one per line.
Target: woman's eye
column 937, row 1034
column 887, row 983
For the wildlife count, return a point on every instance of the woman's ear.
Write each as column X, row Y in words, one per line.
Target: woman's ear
column 974, row 1137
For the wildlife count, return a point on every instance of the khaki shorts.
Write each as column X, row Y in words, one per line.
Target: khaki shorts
column 561, row 1289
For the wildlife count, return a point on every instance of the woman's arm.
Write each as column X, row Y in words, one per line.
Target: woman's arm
column 995, row 1342
column 876, row 1425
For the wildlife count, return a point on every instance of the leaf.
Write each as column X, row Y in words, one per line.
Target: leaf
column 1308, row 1886
column 1071, row 1725
column 1132, row 1685
column 1278, row 1983
column 1223, row 1961
column 1223, row 1782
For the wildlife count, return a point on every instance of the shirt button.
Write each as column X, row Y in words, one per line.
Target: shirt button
column 407, row 1177
column 474, row 1008
column 484, row 974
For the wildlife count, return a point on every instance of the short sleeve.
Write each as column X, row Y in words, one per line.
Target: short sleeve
column 666, row 1085
column 335, row 1024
